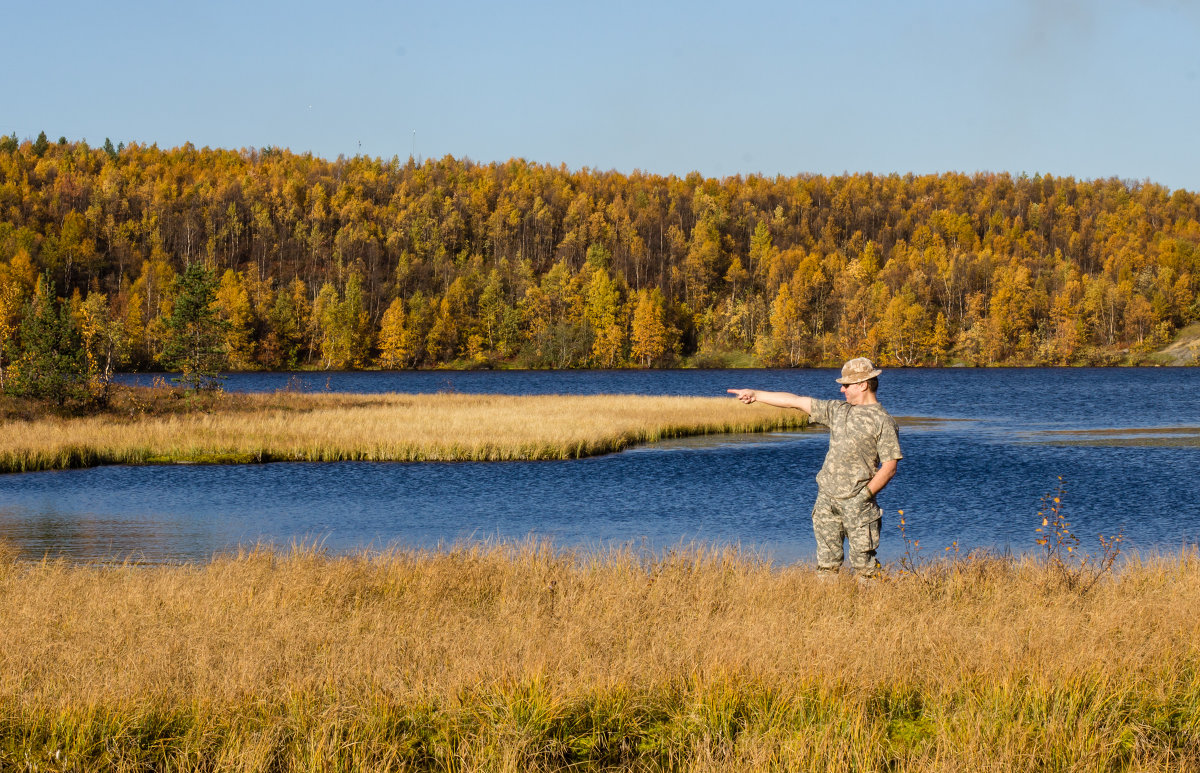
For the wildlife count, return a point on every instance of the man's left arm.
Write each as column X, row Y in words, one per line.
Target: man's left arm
column 889, row 452
column 882, row 476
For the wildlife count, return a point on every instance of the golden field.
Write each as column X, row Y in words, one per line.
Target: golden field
column 527, row 657
column 287, row 426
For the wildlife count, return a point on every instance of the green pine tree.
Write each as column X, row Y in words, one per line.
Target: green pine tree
column 195, row 332
column 48, row 358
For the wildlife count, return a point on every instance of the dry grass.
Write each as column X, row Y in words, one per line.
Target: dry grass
column 517, row 658
column 340, row 427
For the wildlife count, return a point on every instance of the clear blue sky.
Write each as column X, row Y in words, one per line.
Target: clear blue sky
column 1089, row 88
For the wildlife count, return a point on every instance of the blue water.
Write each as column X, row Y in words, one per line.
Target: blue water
column 974, row 475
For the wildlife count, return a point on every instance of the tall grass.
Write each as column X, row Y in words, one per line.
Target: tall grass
column 531, row 658
column 340, row 427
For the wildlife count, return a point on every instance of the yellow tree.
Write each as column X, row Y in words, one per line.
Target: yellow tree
column 492, row 313
column 789, row 333
column 420, row 311
column 1066, row 328
column 762, row 255
column 287, row 321
column 736, row 277
column 1101, row 306
column 343, row 324
column 1010, row 311
column 451, row 331
column 105, row 344
column 863, row 298
column 12, row 297
column 904, row 329
column 536, row 319
column 325, row 320
column 605, row 316
column 651, row 339
column 261, row 293
column 972, row 338
column 233, row 306
column 23, row 272
column 135, row 326
column 1139, row 321
column 701, row 265
column 939, row 339
column 394, row 348
column 152, row 293
column 553, row 315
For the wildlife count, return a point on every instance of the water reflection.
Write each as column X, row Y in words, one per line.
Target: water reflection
column 95, row 537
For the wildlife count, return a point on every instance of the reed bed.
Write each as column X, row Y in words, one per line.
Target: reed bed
column 528, row 657
column 409, row 428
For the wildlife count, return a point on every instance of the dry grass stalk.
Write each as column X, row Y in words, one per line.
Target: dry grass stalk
column 526, row 657
column 341, row 427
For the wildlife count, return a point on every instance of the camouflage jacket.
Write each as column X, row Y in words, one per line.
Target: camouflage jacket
column 861, row 437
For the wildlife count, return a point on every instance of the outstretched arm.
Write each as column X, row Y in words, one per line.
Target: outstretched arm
column 778, row 399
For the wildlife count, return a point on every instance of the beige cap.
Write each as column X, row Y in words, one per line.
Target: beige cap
column 858, row 369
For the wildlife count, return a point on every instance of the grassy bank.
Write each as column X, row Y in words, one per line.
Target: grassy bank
column 289, row 426
column 519, row 658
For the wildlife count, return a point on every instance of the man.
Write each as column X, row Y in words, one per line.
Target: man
column 864, row 448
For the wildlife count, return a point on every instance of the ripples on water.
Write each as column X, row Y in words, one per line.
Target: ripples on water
column 976, row 478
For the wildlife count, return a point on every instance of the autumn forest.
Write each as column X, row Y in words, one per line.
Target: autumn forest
column 362, row 262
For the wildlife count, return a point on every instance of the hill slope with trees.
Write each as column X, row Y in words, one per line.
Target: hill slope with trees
column 364, row 262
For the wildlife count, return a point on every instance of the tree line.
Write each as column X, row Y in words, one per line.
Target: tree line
column 365, row 262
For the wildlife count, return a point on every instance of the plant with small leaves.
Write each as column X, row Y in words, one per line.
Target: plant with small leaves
column 912, row 563
column 932, row 572
column 1075, row 569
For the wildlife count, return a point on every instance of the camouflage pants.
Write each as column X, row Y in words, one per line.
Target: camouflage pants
column 855, row 520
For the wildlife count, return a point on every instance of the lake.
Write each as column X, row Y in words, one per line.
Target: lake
column 981, row 447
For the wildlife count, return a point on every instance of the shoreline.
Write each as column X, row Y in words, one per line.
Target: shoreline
column 473, row 368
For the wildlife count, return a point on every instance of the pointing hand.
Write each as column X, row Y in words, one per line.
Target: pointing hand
column 745, row 395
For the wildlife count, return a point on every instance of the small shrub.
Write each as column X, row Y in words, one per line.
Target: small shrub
column 1075, row 569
